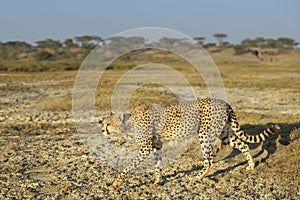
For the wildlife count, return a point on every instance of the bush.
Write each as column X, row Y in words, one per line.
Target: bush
column 239, row 49
column 43, row 55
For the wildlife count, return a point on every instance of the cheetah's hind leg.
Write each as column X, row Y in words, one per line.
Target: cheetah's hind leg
column 208, row 162
column 237, row 143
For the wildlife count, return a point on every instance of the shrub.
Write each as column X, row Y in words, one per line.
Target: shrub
column 43, row 55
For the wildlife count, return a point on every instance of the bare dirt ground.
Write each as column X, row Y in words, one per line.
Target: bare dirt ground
column 43, row 157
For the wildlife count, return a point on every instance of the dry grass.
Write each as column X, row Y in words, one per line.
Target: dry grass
column 243, row 71
column 38, row 94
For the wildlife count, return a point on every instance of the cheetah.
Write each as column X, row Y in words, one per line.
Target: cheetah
column 210, row 119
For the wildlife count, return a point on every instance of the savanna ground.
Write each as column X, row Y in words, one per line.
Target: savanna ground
column 43, row 157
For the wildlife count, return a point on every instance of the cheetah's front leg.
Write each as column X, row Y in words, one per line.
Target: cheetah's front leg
column 146, row 148
column 135, row 163
column 158, row 160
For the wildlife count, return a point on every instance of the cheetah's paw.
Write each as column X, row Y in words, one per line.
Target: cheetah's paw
column 250, row 167
column 117, row 183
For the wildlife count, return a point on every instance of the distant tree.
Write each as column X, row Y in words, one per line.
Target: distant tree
column 226, row 44
column 200, row 40
column 271, row 43
column 172, row 42
column 116, row 40
column 16, row 44
column 81, row 40
column 209, row 45
column 97, row 39
column 12, row 49
column 259, row 42
column 136, row 41
column 286, row 43
column 87, row 41
column 69, row 43
column 169, row 42
column 220, row 37
column 246, row 43
column 48, row 43
column 116, row 43
column 121, row 44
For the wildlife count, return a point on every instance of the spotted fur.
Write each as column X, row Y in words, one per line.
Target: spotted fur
column 211, row 119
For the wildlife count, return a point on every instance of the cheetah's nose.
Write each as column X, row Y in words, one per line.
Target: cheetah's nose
column 104, row 132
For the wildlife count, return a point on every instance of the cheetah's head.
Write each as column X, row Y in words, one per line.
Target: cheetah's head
column 115, row 123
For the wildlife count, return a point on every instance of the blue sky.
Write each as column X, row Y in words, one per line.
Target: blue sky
column 34, row 20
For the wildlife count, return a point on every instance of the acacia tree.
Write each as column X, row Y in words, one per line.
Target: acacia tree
column 171, row 42
column 200, row 40
column 260, row 42
column 96, row 39
column 88, row 41
column 69, row 43
column 136, row 41
column 220, row 37
column 48, row 43
column 286, row 43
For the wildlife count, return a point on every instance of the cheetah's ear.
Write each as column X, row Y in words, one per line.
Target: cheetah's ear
column 112, row 113
column 126, row 117
column 122, row 117
column 118, row 117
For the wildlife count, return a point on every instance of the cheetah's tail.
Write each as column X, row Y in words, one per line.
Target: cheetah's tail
column 251, row 138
